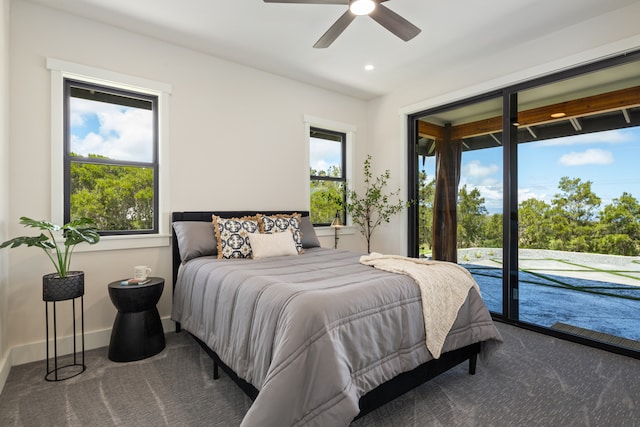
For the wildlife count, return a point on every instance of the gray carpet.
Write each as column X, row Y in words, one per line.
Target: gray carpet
column 533, row 380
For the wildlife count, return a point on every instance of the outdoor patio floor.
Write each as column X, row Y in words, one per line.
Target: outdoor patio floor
column 597, row 293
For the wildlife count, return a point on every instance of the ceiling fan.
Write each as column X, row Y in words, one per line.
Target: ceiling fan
column 380, row 13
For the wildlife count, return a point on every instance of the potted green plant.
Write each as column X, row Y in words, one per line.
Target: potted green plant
column 374, row 207
column 64, row 283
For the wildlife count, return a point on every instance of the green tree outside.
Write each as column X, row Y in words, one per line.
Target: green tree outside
column 426, row 191
column 572, row 222
column 115, row 197
column 492, row 234
column 327, row 197
column 472, row 216
column 534, row 224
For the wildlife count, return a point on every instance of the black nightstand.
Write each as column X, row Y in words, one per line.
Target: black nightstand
column 137, row 331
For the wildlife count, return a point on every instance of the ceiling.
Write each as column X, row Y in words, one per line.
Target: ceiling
column 278, row 38
column 598, row 101
column 599, row 82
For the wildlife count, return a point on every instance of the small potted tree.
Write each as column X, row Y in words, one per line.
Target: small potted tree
column 63, row 284
column 374, row 207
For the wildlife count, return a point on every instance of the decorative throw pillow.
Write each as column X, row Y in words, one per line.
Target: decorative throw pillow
column 233, row 236
column 279, row 223
column 309, row 236
column 275, row 244
column 195, row 239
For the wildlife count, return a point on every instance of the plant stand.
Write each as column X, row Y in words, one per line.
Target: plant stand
column 56, row 289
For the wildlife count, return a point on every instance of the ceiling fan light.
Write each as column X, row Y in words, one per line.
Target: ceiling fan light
column 362, row 7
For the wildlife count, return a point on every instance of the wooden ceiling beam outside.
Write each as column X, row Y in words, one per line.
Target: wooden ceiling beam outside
column 480, row 127
column 596, row 104
column 611, row 101
column 429, row 130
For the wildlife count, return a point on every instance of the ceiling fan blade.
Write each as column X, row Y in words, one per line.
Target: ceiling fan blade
column 335, row 30
column 394, row 22
column 309, row 1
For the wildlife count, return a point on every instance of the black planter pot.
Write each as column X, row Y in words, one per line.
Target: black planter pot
column 56, row 288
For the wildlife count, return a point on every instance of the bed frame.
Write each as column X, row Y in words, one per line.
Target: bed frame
column 375, row 398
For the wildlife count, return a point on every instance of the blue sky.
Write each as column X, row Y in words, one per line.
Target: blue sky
column 114, row 131
column 610, row 160
column 324, row 153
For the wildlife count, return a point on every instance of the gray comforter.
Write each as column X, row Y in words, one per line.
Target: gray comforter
column 314, row 332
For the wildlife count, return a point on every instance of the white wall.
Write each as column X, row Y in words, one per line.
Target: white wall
column 237, row 141
column 604, row 36
column 4, row 185
column 226, row 120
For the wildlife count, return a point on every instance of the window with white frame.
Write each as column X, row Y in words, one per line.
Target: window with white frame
column 110, row 157
column 328, row 172
column 109, row 146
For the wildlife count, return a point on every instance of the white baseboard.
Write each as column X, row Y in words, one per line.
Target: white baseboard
column 37, row 351
column 5, row 367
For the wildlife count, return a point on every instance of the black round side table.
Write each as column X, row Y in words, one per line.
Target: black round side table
column 137, row 331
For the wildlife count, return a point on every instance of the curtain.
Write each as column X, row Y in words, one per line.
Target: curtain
column 445, row 211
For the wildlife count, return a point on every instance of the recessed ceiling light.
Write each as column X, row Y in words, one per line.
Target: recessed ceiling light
column 558, row 115
column 369, row 67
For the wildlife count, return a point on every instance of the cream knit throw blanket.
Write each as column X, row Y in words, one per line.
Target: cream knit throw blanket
column 443, row 286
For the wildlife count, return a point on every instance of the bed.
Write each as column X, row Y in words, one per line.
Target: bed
column 316, row 338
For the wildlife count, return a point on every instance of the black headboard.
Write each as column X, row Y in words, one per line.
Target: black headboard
column 206, row 216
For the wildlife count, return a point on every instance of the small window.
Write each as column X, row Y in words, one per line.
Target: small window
column 328, row 175
column 111, row 158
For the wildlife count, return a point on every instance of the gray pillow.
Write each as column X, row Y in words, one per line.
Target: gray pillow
column 195, row 239
column 309, row 237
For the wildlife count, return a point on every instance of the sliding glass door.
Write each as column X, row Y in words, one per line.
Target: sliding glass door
column 463, row 147
column 578, row 213
column 535, row 189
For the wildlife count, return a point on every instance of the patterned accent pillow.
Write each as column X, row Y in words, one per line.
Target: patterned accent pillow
column 233, row 236
column 280, row 223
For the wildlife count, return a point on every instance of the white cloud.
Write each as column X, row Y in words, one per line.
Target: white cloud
column 618, row 136
column 320, row 165
column 323, row 154
column 486, row 180
column 76, row 119
column 474, row 170
column 490, row 192
column 591, row 156
column 529, row 193
column 121, row 133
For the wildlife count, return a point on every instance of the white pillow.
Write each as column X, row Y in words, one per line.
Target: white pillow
column 274, row 244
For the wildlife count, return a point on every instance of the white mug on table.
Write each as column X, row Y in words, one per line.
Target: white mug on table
column 140, row 272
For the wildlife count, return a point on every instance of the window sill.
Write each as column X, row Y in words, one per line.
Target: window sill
column 330, row 231
column 112, row 243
